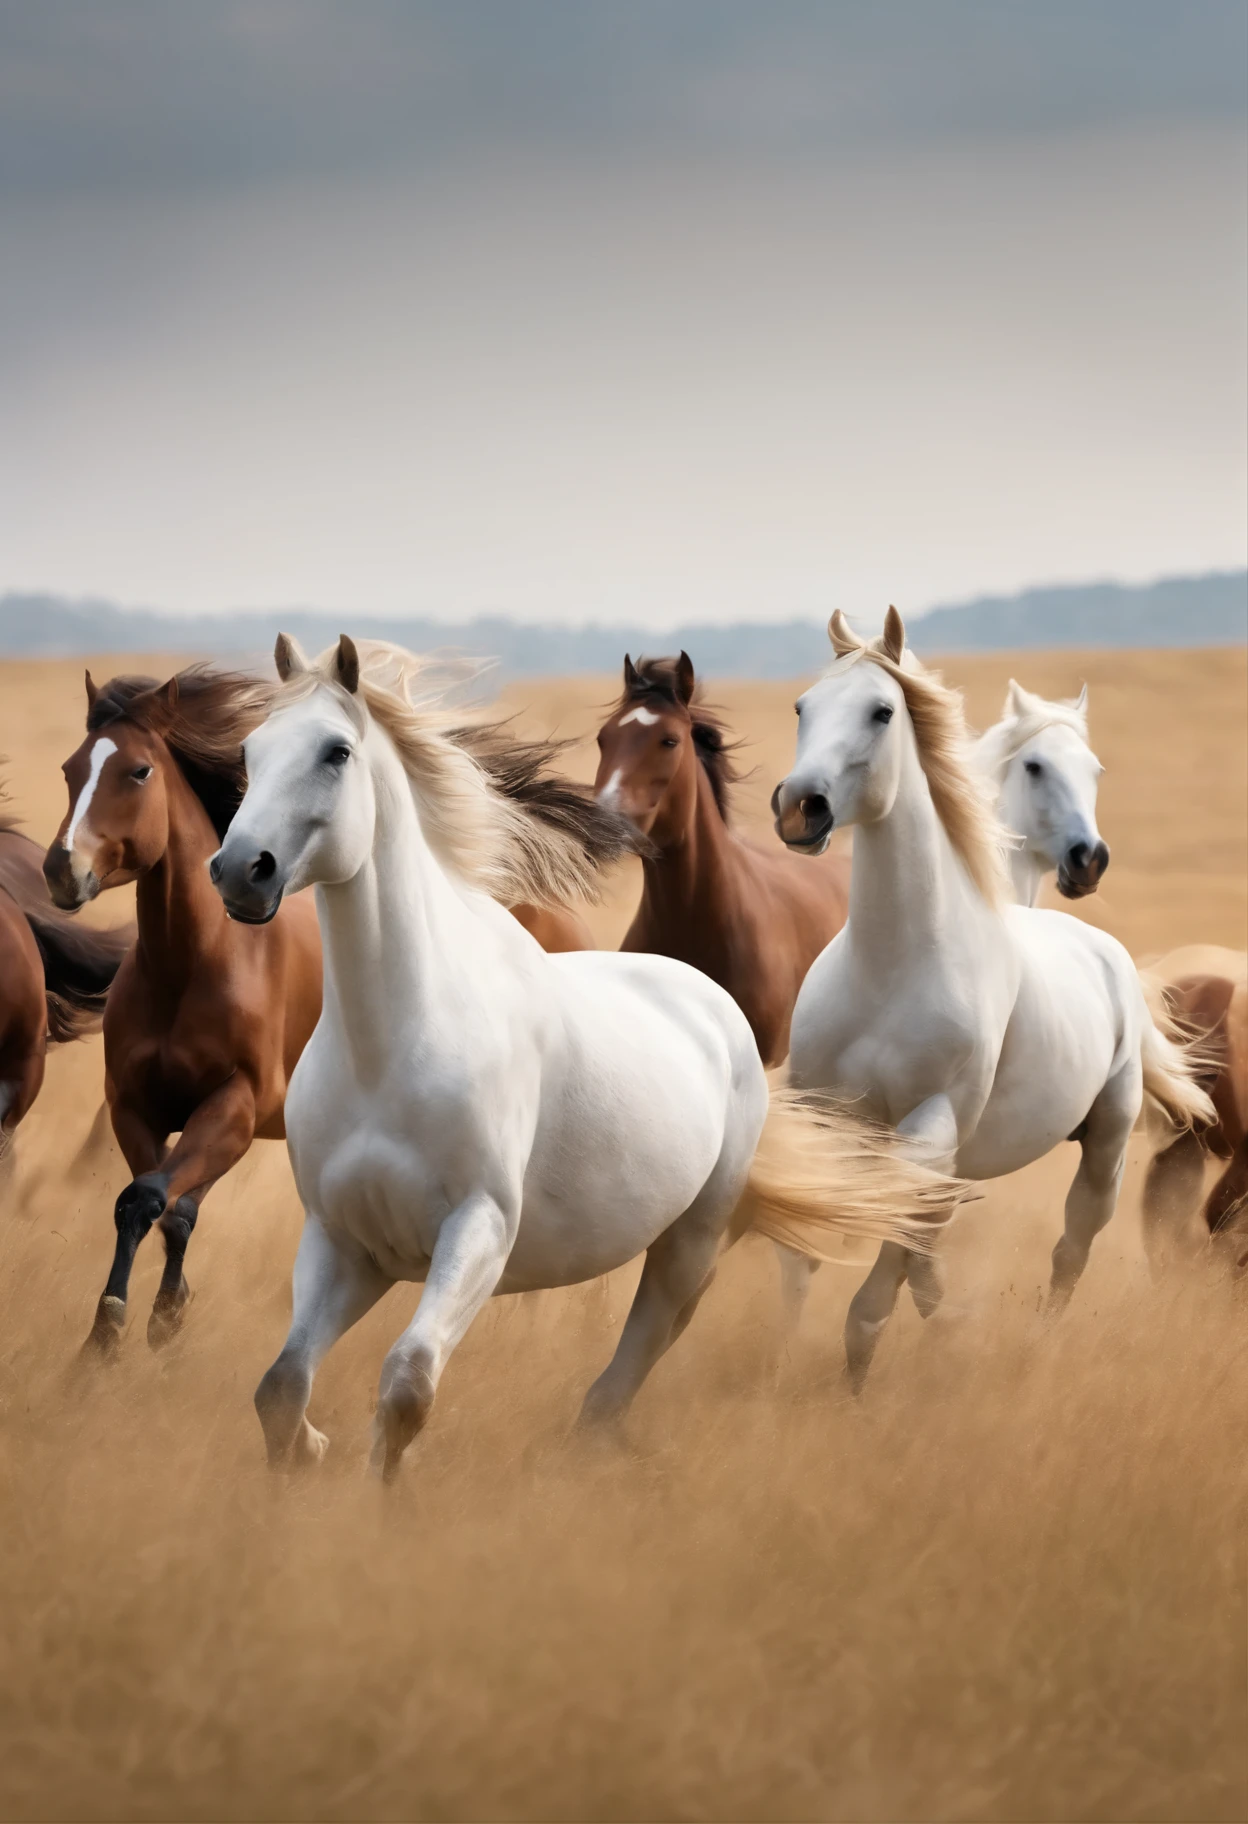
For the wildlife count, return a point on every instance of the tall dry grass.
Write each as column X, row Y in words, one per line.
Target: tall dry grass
column 1010, row 1583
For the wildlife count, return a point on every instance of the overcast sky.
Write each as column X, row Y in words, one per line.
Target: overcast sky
column 583, row 311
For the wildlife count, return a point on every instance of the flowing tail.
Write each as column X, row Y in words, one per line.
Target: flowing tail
column 79, row 964
column 1178, row 1064
column 828, row 1183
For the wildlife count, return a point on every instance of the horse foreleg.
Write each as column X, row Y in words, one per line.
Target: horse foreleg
column 931, row 1133
column 334, row 1284
column 137, row 1208
column 214, row 1139
column 469, row 1257
column 1093, row 1196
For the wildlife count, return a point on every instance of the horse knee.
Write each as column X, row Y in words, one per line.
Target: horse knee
column 139, row 1206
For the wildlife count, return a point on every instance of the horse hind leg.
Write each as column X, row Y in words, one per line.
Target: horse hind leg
column 680, row 1266
column 1093, row 1196
column 796, row 1273
column 1172, row 1187
column 870, row 1309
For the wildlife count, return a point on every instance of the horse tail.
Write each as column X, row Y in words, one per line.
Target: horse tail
column 825, row 1181
column 1179, row 1062
column 79, row 964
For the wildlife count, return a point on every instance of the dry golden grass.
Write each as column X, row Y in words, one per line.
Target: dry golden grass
column 1009, row 1584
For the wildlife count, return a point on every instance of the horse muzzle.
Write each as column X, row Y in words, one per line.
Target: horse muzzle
column 68, row 889
column 804, row 820
column 1080, row 869
column 251, row 886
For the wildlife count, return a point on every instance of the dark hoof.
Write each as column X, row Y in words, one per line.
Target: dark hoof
column 168, row 1316
column 104, row 1341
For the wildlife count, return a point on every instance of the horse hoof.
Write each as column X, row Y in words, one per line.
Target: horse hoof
column 309, row 1448
column 402, row 1411
column 104, row 1340
column 168, row 1316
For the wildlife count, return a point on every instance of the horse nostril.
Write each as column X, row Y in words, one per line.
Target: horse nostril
column 1100, row 857
column 215, row 869
column 1077, row 857
column 263, row 868
column 815, row 808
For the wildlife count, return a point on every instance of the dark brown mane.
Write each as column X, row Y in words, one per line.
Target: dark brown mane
column 203, row 724
column 521, row 770
column 656, row 679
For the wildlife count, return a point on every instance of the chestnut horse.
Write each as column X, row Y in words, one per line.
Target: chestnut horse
column 752, row 917
column 1206, row 989
column 54, row 975
column 207, row 1017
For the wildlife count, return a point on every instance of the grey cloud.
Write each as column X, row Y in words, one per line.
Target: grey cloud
column 119, row 94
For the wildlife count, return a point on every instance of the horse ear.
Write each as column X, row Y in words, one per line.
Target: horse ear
column 167, row 695
column 1013, row 700
column 1080, row 704
column 630, row 673
column 842, row 635
column 348, row 664
column 685, row 679
column 893, row 639
column 289, row 657
column 93, row 690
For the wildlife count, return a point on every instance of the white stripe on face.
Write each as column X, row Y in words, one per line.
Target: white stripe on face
column 640, row 714
column 99, row 754
column 611, row 790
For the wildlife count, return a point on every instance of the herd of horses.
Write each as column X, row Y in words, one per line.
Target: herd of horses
column 477, row 1098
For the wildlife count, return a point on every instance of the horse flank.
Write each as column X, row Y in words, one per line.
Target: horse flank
column 489, row 808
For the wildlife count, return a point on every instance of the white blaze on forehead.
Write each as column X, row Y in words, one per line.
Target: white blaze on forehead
column 640, row 714
column 99, row 754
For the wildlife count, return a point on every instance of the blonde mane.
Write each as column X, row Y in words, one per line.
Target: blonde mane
column 489, row 809
column 959, row 793
column 1001, row 743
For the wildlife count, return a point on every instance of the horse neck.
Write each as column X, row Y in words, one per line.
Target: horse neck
column 393, row 935
column 907, row 890
column 178, row 911
column 1026, row 873
column 693, row 867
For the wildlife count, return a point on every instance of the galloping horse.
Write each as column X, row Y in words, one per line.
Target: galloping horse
column 471, row 1112
column 983, row 1032
column 1044, row 778
column 750, row 917
column 54, row 975
column 1205, row 989
column 206, row 1017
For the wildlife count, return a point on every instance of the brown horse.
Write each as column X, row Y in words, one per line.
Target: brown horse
column 54, row 975
column 752, row 917
column 206, row 1018
column 1206, row 989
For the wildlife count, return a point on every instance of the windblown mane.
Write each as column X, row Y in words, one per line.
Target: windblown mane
column 998, row 745
column 657, row 678
column 490, row 808
column 204, row 726
column 959, row 793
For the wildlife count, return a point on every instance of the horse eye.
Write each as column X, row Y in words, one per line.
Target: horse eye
column 883, row 714
column 338, row 756
column 669, row 741
column 1032, row 768
column 141, row 773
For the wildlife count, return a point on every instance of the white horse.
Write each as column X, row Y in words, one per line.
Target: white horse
column 473, row 1113
column 982, row 1031
column 1044, row 777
